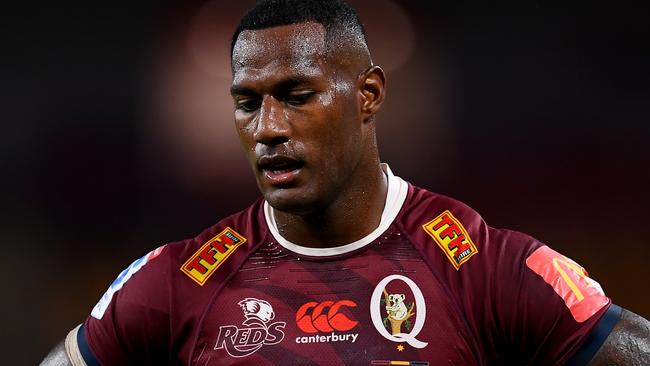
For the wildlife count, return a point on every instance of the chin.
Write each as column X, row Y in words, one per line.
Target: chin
column 290, row 202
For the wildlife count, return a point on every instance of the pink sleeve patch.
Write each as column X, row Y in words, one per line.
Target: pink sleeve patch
column 582, row 295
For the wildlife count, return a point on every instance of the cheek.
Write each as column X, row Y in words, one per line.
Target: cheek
column 338, row 129
column 245, row 134
column 339, row 151
column 244, row 129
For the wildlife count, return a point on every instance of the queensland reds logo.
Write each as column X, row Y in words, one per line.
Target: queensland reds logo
column 257, row 330
column 326, row 317
column 398, row 313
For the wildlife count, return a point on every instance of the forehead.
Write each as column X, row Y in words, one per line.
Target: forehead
column 299, row 48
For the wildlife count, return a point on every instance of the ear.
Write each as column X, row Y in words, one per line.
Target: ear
column 373, row 87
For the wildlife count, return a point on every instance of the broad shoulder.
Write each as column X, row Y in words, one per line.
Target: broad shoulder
column 435, row 221
column 219, row 245
column 421, row 202
column 244, row 226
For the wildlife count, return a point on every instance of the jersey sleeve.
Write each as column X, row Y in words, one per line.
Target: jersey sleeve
column 130, row 323
column 543, row 306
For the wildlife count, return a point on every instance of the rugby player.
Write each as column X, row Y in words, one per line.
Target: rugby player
column 342, row 261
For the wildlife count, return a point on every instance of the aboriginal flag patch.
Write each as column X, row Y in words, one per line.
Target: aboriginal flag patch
column 452, row 238
column 212, row 254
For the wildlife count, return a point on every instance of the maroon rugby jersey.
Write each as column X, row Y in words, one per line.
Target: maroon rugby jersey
column 433, row 284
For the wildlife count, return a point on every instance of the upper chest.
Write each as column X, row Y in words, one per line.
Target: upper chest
column 380, row 305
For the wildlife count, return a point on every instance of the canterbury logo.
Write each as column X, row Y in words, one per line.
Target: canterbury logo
column 315, row 317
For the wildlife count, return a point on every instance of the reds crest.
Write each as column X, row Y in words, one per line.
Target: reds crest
column 257, row 330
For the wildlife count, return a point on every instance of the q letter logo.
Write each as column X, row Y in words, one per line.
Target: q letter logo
column 395, row 314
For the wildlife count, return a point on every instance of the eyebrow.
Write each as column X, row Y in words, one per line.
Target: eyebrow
column 241, row 90
column 291, row 82
column 283, row 85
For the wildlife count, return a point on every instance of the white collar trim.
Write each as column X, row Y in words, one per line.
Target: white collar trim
column 395, row 197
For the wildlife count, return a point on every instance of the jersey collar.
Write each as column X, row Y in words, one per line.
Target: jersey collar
column 395, row 197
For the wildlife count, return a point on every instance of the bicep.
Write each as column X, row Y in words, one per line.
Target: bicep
column 627, row 344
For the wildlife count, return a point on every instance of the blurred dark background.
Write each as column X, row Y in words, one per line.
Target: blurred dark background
column 117, row 136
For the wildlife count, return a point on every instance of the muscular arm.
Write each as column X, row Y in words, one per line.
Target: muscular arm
column 57, row 357
column 627, row 344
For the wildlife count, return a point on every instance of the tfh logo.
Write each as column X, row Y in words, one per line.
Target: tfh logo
column 257, row 331
column 452, row 237
column 211, row 255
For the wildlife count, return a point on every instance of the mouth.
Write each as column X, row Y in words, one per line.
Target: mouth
column 280, row 170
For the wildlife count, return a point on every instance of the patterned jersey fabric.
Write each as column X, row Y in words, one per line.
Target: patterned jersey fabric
column 432, row 285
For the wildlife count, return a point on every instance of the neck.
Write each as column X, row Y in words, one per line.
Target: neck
column 354, row 214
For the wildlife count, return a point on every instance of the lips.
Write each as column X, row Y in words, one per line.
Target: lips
column 280, row 170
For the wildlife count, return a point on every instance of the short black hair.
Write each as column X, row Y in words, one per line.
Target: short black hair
column 336, row 16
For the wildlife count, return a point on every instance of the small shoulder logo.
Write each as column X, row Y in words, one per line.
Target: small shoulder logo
column 451, row 237
column 211, row 255
column 257, row 330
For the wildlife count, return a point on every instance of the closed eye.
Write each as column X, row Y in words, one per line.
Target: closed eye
column 299, row 98
column 248, row 104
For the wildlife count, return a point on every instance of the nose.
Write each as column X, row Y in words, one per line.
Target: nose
column 272, row 126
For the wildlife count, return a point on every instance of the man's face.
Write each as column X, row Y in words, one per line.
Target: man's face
column 297, row 114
